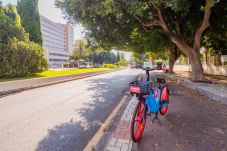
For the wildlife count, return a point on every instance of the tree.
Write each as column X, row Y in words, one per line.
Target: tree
column 136, row 58
column 115, row 22
column 123, row 62
column 101, row 57
column 21, row 58
column 174, row 55
column 18, row 55
column 118, row 56
column 80, row 51
column 30, row 19
column 215, row 39
column 122, row 56
column 10, row 25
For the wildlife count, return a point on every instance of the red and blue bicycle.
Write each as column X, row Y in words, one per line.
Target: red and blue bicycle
column 150, row 101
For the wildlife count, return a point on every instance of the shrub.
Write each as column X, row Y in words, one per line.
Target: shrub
column 20, row 58
column 123, row 62
column 18, row 55
column 109, row 66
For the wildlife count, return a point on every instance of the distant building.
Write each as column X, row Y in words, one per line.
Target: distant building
column 58, row 42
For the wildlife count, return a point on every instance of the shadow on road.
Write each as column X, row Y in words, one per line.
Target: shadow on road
column 105, row 93
column 63, row 138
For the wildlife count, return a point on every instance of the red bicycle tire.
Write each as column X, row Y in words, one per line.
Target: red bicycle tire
column 138, row 121
column 163, row 110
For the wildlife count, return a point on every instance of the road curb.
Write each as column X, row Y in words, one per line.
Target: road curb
column 68, row 78
column 101, row 132
column 187, row 83
column 94, row 141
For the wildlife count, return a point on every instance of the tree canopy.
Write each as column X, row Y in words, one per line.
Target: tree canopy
column 30, row 19
column 10, row 25
column 18, row 55
column 139, row 24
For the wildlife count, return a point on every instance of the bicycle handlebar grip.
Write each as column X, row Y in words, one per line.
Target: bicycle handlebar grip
column 151, row 69
column 166, row 69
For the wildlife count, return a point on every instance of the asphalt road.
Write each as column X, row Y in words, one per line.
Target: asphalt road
column 61, row 117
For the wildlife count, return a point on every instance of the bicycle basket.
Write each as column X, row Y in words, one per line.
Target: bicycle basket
column 140, row 87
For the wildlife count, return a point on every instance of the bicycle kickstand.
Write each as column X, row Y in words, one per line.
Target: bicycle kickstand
column 156, row 118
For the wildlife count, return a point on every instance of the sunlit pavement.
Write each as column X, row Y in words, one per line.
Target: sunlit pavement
column 61, row 117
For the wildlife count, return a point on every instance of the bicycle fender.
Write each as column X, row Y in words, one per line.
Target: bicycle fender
column 152, row 105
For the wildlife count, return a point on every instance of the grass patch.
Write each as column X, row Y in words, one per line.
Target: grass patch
column 54, row 73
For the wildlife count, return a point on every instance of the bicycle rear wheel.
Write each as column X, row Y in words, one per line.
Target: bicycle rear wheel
column 163, row 110
column 138, row 121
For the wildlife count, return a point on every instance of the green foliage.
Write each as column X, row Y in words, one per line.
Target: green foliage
column 80, row 51
column 122, row 56
column 158, row 55
column 136, row 58
column 148, row 25
column 30, row 19
column 10, row 25
column 20, row 58
column 123, row 62
column 18, row 55
column 215, row 39
column 120, row 24
column 118, row 57
column 102, row 57
column 112, row 24
column 110, row 66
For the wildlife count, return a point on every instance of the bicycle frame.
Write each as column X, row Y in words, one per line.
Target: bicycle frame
column 153, row 103
column 149, row 101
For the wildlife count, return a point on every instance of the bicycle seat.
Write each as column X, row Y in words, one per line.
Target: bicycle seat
column 147, row 68
column 159, row 80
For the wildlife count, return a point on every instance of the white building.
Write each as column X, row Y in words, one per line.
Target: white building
column 58, row 41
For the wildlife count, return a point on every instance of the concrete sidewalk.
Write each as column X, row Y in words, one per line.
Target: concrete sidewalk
column 193, row 123
column 215, row 90
column 22, row 85
column 117, row 136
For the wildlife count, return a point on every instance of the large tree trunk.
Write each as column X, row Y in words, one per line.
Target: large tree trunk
column 197, row 68
column 206, row 56
column 171, row 61
column 191, row 52
column 173, row 56
column 194, row 58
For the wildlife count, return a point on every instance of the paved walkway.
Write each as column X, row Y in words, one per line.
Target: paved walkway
column 193, row 123
column 121, row 138
column 216, row 90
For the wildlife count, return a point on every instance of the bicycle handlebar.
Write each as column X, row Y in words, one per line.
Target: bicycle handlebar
column 156, row 68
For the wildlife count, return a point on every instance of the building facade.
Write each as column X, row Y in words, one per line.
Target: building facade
column 58, row 42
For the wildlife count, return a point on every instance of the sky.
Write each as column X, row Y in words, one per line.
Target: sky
column 49, row 10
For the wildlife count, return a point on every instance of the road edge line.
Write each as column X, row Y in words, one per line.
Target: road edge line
column 94, row 141
column 98, row 135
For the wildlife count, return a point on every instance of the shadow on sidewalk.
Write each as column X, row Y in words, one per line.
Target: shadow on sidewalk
column 193, row 123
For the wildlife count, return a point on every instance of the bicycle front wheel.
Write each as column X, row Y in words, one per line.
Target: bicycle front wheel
column 138, row 121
